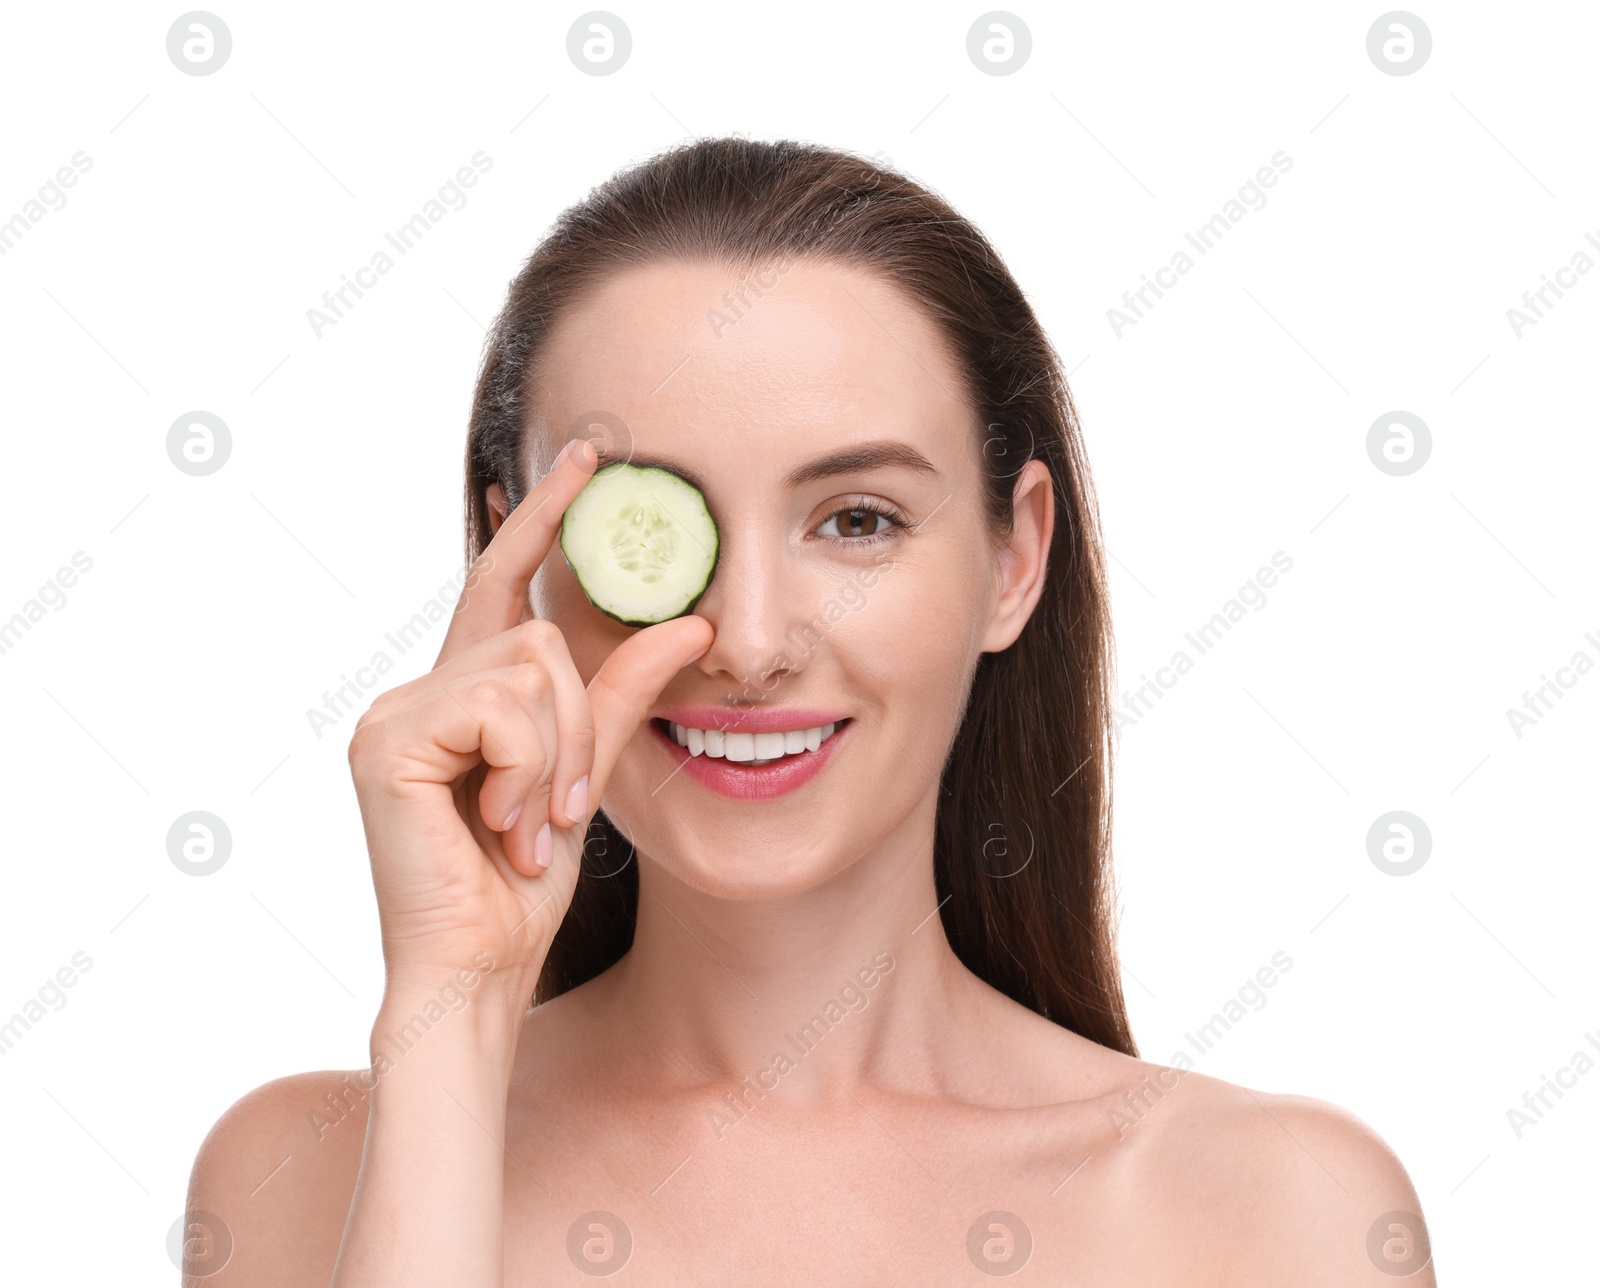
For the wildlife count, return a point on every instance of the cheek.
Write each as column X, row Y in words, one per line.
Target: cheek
column 909, row 643
column 913, row 668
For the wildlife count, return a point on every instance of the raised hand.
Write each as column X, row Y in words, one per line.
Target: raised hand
column 477, row 781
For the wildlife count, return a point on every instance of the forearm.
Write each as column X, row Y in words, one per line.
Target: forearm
column 428, row 1207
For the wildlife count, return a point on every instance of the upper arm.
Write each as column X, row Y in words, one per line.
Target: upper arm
column 272, row 1182
column 1325, row 1201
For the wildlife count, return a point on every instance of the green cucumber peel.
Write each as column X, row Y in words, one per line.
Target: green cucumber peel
column 641, row 542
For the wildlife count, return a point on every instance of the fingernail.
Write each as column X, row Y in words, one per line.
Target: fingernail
column 699, row 655
column 578, row 798
column 565, row 452
column 511, row 818
column 543, row 848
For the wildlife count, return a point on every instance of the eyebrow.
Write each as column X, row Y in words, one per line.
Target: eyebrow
column 858, row 458
column 855, row 459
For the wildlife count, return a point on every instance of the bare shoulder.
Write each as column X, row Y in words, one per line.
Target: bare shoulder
column 1296, row 1190
column 1212, row 1181
column 272, row 1182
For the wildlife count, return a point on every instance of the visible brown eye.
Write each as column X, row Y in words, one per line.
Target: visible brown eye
column 862, row 523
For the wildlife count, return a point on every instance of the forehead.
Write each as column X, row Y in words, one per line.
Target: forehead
column 777, row 356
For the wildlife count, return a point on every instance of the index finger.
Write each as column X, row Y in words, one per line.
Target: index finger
column 500, row 575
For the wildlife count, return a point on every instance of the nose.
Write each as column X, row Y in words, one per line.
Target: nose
column 754, row 603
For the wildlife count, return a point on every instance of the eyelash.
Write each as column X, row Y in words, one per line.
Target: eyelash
column 861, row 505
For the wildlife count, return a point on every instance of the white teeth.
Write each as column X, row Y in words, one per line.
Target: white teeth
column 749, row 748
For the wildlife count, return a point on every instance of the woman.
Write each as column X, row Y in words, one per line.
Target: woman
column 852, row 1015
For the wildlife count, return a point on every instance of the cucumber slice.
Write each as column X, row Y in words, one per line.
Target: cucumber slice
column 641, row 541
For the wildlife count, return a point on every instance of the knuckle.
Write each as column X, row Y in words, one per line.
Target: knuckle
column 484, row 693
column 534, row 681
column 385, row 702
column 540, row 632
column 365, row 739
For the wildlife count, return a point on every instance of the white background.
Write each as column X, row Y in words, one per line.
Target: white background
column 1227, row 424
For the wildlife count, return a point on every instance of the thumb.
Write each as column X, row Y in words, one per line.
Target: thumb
column 628, row 684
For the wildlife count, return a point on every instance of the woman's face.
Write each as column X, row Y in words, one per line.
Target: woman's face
column 818, row 604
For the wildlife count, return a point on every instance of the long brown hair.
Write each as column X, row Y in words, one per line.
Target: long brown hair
column 1022, row 840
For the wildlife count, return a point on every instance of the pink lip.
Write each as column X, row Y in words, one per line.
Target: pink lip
column 751, row 719
column 747, row 782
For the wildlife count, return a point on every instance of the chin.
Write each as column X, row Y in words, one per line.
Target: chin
column 728, row 849
column 740, row 864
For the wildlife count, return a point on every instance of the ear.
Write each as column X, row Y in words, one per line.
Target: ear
column 1024, row 560
column 499, row 507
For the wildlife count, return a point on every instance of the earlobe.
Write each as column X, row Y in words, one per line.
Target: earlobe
column 499, row 507
column 1024, row 560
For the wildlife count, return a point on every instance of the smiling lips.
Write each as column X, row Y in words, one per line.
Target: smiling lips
column 750, row 755
column 746, row 747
